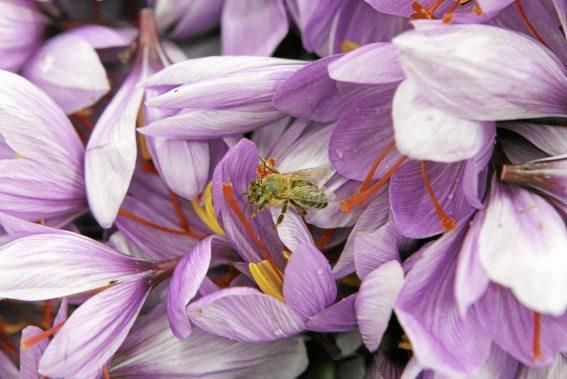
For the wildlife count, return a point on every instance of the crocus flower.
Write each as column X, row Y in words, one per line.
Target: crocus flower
column 22, row 26
column 151, row 350
column 42, row 155
column 112, row 145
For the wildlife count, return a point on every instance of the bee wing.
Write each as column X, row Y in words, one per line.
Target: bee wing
column 316, row 175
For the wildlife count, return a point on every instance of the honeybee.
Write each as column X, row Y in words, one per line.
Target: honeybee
column 298, row 188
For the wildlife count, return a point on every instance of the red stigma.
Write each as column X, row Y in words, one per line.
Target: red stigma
column 228, row 195
column 537, row 353
column 30, row 342
column 447, row 222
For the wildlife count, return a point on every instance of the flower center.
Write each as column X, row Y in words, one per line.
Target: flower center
column 233, row 205
column 428, row 13
column 204, row 209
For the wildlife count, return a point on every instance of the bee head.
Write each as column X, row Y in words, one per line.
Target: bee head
column 255, row 192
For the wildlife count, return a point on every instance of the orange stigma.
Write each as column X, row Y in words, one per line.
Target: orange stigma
column 360, row 197
column 536, row 338
column 134, row 217
column 105, row 373
column 324, row 238
column 47, row 314
column 30, row 342
column 233, row 205
column 447, row 222
column 428, row 13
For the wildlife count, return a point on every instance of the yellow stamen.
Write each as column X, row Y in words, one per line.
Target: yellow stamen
column 405, row 343
column 206, row 212
column 19, row 156
column 347, row 46
column 267, row 278
column 351, row 280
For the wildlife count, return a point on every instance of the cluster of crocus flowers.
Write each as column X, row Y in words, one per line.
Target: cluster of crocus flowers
column 160, row 215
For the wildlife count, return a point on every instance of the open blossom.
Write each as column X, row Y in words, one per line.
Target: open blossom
column 295, row 188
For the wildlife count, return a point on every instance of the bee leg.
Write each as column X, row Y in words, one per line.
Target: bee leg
column 282, row 213
column 300, row 210
column 258, row 209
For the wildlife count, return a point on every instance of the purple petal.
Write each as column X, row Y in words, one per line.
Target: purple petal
column 22, row 27
column 373, row 249
column 152, row 350
column 412, row 208
column 29, row 359
column 47, row 266
column 197, row 18
column 309, row 286
column 8, row 369
column 112, row 148
column 558, row 369
column 443, row 341
column 374, row 63
column 425, row 132
column 262, row 24
column 184, row 284
column 361, row 136
column 172, row 154
column 471, row 280
column 374, row 216
column 238, row 167
column 245, row 314
column 68, row 68
column 532, row 263
column 551, row 139
column 375, row 302
column 310, row 93
column 490, row 93
column 293, row 231
column 339, row 317
column 94, row 331
column 512, row 327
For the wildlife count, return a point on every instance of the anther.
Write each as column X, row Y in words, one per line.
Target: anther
column 447, row 222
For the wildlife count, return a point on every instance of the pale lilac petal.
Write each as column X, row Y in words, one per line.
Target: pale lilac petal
column 47, row 266
column 339, row 317
column 533, row 85
column 375, row 302
column 399, row 8
column 50, row 152
column 62, row 312
column 374, row 63
column 170, row 155
column 311, row 150
column 253, row 27
column 384, row 368
column 425, row 132
column 195, row 70
column 112, row 149
column 373, row 249
column 68, row 68
column 292, row 230
column 198, row 19
column 184, row 284
column 471, row 280
column 245, row 314
column 102, row 37
column 21, row 25
column 205, row 124
column 551, row 139
column 8, row 369
column 94, row 331
column 557, row 370
column 29, row 359
column 374, row 216
column 499, row 364
column 511, row 326
column 309, row 286
column 534, row 262
column 152, row 350
column 443, row 341
column 561, row 8
column 155, row 243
